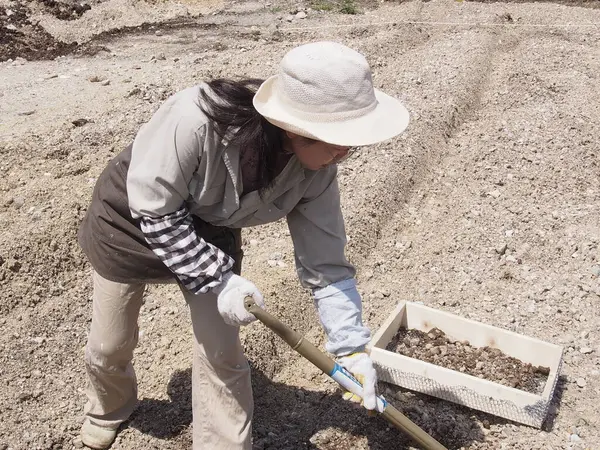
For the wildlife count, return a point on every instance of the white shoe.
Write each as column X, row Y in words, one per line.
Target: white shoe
column 96, row 437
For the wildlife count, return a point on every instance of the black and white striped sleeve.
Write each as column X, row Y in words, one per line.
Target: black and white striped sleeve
column 197, row 264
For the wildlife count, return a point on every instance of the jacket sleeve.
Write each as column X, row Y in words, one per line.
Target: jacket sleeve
column 166, row 153
column 317, row 229
column 318, row 232
column 197, row 264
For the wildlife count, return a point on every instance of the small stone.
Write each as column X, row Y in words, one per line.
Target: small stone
column 495, row 193
column 105, row 82
column 77, row 442
column 509, row 233
column 36, row 373
column 586, row 350
column 253, row 242
column 290, row 18
column 272, row 262
column 596, row 270
column 479, row 365
column 574, row 438
column 512, row 259
column 18, row 202
column 281, row 264
column 14, row 265
column 27, row 113
column 501, row 249
column 276, row 256
column 80, row 122
column 24, row 396
column 158, row 33
column 134, row 91
column 581, row 382
column 94, row 79
column 161, row 57
column 301, row 15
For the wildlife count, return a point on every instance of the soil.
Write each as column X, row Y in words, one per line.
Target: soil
column 485, row 362
column 22, row 38
column 488, row 207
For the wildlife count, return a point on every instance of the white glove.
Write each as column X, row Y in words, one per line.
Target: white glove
column 231, row 294
column 361, row 366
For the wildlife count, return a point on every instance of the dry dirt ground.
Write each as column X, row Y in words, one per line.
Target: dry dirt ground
column 488, row 207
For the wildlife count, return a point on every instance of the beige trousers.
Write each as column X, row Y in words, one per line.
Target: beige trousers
column 221, row 390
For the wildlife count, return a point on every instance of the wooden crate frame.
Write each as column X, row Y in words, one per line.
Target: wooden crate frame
column 473, row 392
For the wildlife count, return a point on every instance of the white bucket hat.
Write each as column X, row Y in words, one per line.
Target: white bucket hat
column 324, row 91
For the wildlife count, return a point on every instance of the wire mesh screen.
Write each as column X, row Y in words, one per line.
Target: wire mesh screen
column 533, row 415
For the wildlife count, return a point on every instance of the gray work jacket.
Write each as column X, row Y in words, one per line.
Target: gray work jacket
column 178, row 157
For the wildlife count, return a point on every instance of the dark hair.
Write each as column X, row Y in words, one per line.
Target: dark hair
column 232, row 108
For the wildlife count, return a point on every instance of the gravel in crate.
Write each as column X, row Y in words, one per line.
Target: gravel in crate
column 485, row 362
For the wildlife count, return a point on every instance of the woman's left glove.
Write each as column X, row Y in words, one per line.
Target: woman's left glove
column 361, row 367
column 231, row 294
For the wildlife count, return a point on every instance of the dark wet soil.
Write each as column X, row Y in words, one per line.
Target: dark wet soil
column 20, row 37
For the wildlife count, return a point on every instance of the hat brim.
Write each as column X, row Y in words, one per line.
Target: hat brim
column 387, row 120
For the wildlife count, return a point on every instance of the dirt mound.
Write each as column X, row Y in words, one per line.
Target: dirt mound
column 65, row 11
column 20, row 37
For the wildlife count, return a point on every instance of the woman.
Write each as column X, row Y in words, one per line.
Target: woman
column 213, row 159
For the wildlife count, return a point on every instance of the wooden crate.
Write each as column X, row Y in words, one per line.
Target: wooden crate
column 458, row 387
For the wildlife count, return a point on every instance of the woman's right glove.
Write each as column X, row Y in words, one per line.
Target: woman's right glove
column 231, row 294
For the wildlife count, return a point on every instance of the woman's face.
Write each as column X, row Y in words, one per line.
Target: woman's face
column 315, row 155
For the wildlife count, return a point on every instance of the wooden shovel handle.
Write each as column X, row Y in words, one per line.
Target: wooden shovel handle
column 327, row 365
